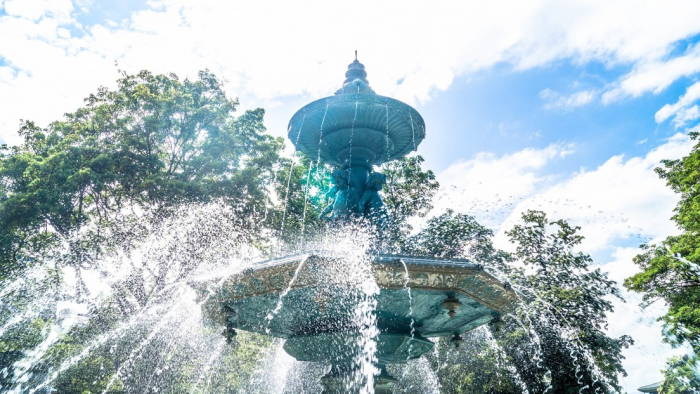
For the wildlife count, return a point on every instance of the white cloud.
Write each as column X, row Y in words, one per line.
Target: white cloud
column 683, row 110
column 686, row 115
column 555, row 100
column 623, row 199
column 35, row 9
column 654, row 75
column 490, row 186
column 270, row 50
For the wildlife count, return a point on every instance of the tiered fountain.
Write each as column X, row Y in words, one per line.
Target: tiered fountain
column 313, row 305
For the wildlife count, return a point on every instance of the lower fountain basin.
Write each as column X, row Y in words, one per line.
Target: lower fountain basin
column 314, row 297
column 328, row 307
column 342, row 348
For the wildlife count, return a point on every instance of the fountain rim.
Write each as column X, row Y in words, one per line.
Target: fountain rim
column 321, row 104
column 378, row 258
column 382, row 262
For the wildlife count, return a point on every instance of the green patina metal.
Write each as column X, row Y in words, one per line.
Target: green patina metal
column 355, row 130
column 311, row 299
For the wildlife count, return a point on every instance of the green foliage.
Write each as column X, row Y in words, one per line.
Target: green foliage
column 16, row 341
column 238, row 363
column 154, row 143
column 158, row 146
column 408, row 193
column 453, row 235
column 565, row 304
column 476, row 367
column 301, row 188
column 560, row 325
column 681, row 376
column 98, row 182
column 670, row 271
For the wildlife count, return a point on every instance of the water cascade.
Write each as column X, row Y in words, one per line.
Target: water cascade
column 357, row 313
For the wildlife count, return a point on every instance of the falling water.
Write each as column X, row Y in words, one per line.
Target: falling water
column 308, row 176
column 416, row 376
column 352, row 132
column 307, row 186
column 509, row 367
column 280, row 300
column 155, row 328
column 386, row 106
column 366, row 320
column 289, row 178
column 410, row 304
column 352, row 275
column 207, row 367
column 573, row 345
column 320, row 134
column 271, row 373
column 202, row 241
column 137, row 351
column 413, row 131
column 304, row 377
column 29, row 313
column 547, row 378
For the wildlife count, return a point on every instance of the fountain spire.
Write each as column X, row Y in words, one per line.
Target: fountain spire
column 355, row 79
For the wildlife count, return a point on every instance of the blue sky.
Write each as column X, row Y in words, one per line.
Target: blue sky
column 560, row 106
column 500, row 111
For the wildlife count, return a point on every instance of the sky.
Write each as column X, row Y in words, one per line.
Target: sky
column 563, row 106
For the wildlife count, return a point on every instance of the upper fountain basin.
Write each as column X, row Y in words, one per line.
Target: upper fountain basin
column 356, row 129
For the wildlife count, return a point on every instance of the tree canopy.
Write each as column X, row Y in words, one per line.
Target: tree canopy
column 670, row 270
column 118, row 172
column 556, row 339
column 154, row 143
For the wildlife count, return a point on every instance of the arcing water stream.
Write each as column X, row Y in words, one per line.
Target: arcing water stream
column 127, row 345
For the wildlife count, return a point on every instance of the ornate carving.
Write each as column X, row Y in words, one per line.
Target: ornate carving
column 370, row 202
column 451, row 304
column 338, row 207
column 469, row 280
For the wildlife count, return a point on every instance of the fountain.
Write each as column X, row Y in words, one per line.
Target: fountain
column 372, row 308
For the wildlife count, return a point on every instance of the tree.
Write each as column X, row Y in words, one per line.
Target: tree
column 670, row 270
column 146, row 160
column 408, row 194
column 556, row 337
column 154, row 144
column 478, row 366
column 565, row 305
column 453, row 235
column 160, row 176
column 681, row 376
column 301, row 188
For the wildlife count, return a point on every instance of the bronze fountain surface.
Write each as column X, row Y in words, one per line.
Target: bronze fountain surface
column 311, row 299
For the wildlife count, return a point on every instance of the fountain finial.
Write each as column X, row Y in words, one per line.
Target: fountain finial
column 355, row 79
